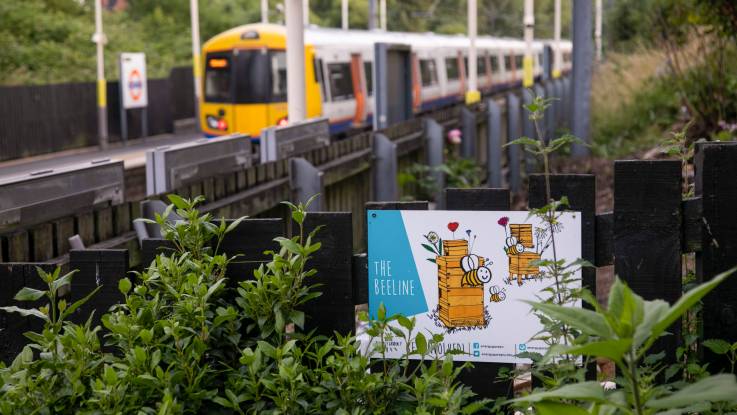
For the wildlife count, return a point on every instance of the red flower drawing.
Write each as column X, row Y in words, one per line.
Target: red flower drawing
column 453, row 226
column 503, row 221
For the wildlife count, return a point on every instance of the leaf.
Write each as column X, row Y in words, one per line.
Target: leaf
column 421, row 343
column 124, row 285
column 584, row 391
column 525, row 141
column 612, row 349
column 25, row 312
column 687, row 301
column 178, row 201
column 29, row 294
column 80, row 302
column 60, row 282
column 298, row 318
column 585, row 320
column 235, row 224
column 712, row 389
column 717, row 346
column 557, row 408
column 429, row 248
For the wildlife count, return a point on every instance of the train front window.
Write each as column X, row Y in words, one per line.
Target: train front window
column 252, row 84
column 218, row 78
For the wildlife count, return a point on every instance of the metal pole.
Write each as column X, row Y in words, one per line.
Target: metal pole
column 264, row 11
column 371, row 14
column 581, row 82
column 382, row 14
column 306, row 12
column 194, row 13
column 557, row 55
column 99, row 39
column 529, row 22
column 344, row 14
column 597, row 30
column 472, row 95
column 295, row 61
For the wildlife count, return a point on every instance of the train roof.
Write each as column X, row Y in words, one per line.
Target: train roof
column 319, row 36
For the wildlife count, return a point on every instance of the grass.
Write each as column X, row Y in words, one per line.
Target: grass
column 632, row 103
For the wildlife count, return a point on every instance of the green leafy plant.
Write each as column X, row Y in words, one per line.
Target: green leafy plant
column 724, row 348
column 624, row 332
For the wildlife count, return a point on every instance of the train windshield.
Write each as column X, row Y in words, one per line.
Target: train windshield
column 246, row 77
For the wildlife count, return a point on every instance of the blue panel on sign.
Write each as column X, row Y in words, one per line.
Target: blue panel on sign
column 393, row 278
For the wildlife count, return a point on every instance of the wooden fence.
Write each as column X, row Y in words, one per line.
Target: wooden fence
column 41, row 119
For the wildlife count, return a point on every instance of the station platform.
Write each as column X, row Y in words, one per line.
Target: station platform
column 133, row 154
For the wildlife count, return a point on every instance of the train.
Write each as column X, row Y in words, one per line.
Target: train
column 244, row 81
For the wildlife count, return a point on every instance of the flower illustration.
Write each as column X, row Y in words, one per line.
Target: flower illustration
column 503, row 221
column 432, row 237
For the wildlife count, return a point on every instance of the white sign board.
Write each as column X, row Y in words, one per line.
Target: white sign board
column 133, row 87
column 465, row 274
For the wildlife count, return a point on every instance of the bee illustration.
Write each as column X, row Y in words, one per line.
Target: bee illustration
column 474, row 274
column 497, row 295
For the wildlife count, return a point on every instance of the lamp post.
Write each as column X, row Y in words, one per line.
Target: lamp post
column 99, row 39
column 344, row 14
column 264, row 11
column 557, row 55
column 529, row 22
column 472, row 95
column 196, row 64
column 295, row 60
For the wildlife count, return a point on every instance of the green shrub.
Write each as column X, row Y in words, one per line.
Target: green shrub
column 182, row 341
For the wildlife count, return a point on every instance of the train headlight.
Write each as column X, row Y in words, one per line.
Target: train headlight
column 212, row 122
column 222, row 125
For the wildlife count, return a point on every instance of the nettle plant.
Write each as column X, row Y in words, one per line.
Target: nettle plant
column 553, row 369
column 185, row 340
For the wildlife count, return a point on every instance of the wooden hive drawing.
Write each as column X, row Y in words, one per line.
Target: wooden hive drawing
column 458, row 306
column 520, row 266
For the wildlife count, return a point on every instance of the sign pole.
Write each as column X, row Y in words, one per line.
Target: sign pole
column 382, row 12
column 99, row 39
column 597, row 30
column 196, row 66
column 123, row 110
column 295, row 61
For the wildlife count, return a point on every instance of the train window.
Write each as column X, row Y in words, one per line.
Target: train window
column 481, row 66
column 341, row 82
column 368, row 72
column 278, row 76
column 451, row 68
column 508, row 62
column 218, row 79
column 494, row 63
column 518, row 61
column 428, row 72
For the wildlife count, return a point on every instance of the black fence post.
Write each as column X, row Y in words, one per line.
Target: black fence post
column 580, row 189
column 647, row 233
column 13, row 277
column 716, row 170
column 482, row 378
column 97, row 268
column 334, row 309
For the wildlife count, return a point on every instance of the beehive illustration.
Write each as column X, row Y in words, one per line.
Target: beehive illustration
column 519, row 262
column 458, row 306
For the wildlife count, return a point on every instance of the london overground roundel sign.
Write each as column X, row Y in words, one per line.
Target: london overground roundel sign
column 134, row 92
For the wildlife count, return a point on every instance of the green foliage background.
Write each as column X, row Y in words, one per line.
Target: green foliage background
column 49, row 41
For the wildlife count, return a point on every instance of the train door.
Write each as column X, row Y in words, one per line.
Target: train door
column 340, row 104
